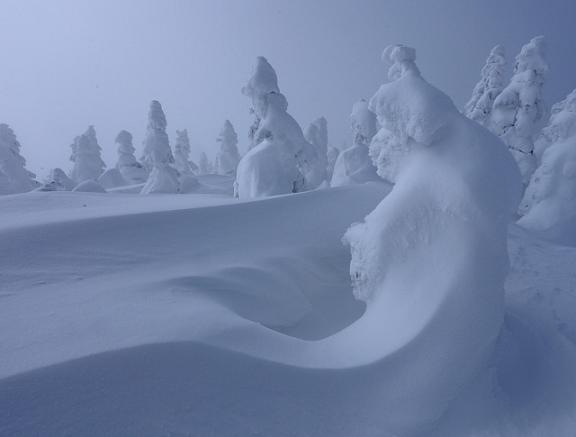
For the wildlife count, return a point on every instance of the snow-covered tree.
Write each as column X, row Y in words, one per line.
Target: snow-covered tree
column 131, row 170
column 491, row 84
column 549, row 203
column 282, row 161
column 182, row 153
column 519, row 108
column 317, row 135
column 204, row 164
column 561, row 125
column 263, row 82
column 228, row 157
column 57, row 180
column 424, row 251
column 14, row 177
column 86, row 157
column 550, row 199
column 332, row 157
column 354, row 165
column 158, row 155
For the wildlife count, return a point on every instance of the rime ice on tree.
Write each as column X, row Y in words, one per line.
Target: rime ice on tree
column 520, row 108
column 182, row 153
column 86, row 157
column 317, row 135
column 549, row 203
column 132, row 171
column 158, row 155
column 228, row 157
column 354, row 165
column 491, row 84
column 281, row 161
column 14, row 178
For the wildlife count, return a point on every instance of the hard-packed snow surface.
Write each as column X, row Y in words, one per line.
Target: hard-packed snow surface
column 353, row 165
column 146, row 315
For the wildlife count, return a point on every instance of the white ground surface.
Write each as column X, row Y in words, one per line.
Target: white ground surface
column 198, row 315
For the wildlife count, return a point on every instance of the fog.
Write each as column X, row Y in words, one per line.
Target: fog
column 67, row 64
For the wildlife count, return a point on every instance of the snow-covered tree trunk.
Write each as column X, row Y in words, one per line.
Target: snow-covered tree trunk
column 519, row 108
column 158, row 155
column 479, row 107
column 228, row 156
column 14, row 177
column 86, row 157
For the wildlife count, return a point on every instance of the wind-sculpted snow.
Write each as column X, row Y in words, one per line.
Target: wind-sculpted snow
column 239, row 319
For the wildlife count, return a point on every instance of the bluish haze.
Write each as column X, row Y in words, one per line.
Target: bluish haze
column 67, row 64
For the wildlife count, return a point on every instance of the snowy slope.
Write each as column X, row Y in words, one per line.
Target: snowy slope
column 110, row 314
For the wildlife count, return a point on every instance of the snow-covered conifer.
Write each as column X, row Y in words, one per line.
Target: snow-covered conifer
column 57, row 180
column 549, row 203
column 354, row 165
column 204, row 164
column 14, row 177
column 228, row 157
column 158, row 155
column 550, row 199
column 86, row 157
column 491, row 84
column 561, row 125
column 263, row 82
column 131, row 170
column 282, row 161
column 317, row 135
column 519, row 108
column 182, row 153
column 332, row 157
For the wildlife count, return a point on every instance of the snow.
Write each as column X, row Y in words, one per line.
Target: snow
column 479, row 107
column 132, row 171
column 549, row 204
column 354, row 165
column 89, row 186
column 404, row 304
column 561, row 125
column 158, row 156
column 14, row 178
column 519, row 109
column 281, row 161
column 88, row 164
column 112, row 178
column 228, row 156
column 57, row 181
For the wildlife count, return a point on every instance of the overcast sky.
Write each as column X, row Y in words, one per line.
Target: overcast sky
column 66, row 64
